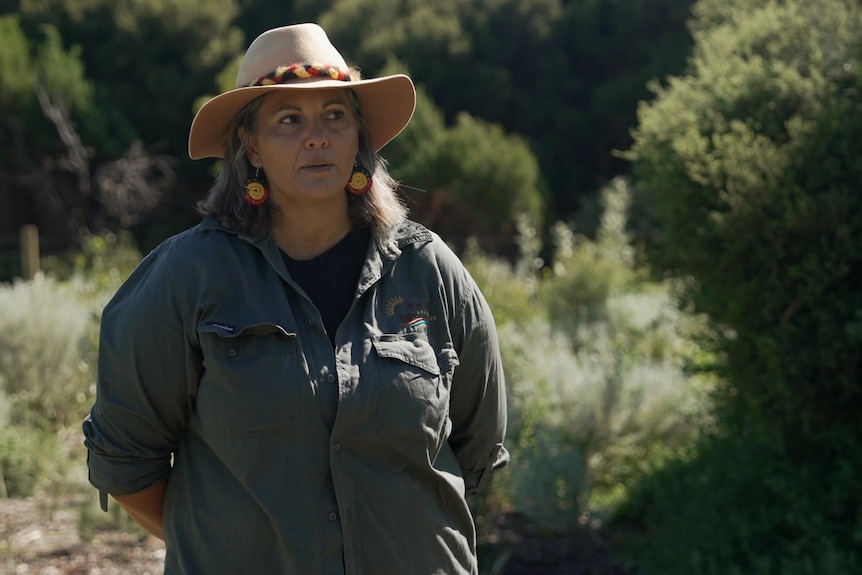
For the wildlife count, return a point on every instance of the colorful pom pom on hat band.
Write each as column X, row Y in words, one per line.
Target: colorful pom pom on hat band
column 300, row 70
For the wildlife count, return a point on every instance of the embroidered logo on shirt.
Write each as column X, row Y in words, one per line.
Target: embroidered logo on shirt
column 415, row 322
column 392, row 305
column 221, row 326
column 410, row 313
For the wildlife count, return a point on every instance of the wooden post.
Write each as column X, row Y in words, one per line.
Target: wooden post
column 29, row 251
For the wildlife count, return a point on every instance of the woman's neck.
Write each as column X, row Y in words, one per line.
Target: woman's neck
column 303, row 235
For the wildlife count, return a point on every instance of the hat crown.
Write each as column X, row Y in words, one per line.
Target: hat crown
column 299, row 43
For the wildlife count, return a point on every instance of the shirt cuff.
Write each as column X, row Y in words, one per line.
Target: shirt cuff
column 475, row 480
column 120, row 474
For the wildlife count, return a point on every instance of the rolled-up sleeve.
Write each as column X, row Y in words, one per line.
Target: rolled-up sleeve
column 478, row 403
column 147, row 377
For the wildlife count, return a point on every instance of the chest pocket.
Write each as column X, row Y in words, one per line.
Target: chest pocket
column 414, row 386
column 252, row 380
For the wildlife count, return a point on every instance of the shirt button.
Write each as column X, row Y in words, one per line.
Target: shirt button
column 332, row 516
column 312, row 322
column 337, row 447
column 231, row 352
column 331, row 378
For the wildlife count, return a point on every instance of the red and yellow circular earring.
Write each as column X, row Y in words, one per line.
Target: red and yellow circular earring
column 359, row 182
column 254, row 189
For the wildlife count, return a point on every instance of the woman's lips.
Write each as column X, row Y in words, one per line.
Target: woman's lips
column 318, row 168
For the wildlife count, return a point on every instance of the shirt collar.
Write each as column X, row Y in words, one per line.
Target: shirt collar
column 404, row 233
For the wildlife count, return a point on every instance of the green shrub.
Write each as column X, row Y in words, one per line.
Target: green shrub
column 600, row 388
column 49, row 331
column 549, row 479
column 100, row 266
column 742, row 507
column 750, row 164
column 608, row 410
column 47, row 352
column 5, row 409
column 512, row 295
column 29, row 460
column 751, row 167
column 585, row 273
column 16, row 75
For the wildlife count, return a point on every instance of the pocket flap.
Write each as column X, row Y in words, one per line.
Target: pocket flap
column 226, row 330
column 416, row 352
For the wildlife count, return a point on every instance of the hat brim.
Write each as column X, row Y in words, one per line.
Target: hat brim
column 387, row 105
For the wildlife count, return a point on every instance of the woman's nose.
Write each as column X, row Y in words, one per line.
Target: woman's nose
column 316, row 137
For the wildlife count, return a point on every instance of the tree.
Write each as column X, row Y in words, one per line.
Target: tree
column 15, row 66
column 42, row 88
column 147, row 62
column 48, row 168
column 566, row 76
column 751, row 165
column 257, row 16
column 762, row 219
column 110, row 98
column 476, row 179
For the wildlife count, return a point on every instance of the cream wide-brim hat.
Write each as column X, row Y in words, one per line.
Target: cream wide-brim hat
column 387, row 103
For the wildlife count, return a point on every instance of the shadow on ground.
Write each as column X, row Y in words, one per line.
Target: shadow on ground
column 515, row 547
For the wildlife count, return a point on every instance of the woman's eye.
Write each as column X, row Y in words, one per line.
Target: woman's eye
column 335, row 114
column 290, row 119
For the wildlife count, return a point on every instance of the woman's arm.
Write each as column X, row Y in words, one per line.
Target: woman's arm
column 145, row 507
column 148, row 374
column 477, row 405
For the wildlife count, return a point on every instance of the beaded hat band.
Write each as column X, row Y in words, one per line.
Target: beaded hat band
column 301, row 71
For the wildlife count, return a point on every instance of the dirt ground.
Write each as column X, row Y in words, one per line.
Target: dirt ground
column 43, row 539
column 522, row 549
column 39, row 538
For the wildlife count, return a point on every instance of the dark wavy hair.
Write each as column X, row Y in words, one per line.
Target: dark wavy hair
column 379, row 209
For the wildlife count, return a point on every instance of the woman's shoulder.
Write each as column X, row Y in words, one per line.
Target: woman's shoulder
column 427, row 248
column 193, row 252
column 413, row 237
column 178, row 266
column 195, row 244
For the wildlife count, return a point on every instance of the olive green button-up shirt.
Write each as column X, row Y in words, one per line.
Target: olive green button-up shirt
column 284, row 456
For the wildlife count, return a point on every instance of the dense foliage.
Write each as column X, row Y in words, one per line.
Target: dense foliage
column 147, row 62
column 560, row 79
column 596, row 363
column 565, row 75
column 720, row 448
column 752, row 165
column 462, row 188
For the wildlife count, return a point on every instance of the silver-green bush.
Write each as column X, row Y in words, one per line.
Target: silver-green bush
column 29, row 460
column 47, row 352
column 596, row 363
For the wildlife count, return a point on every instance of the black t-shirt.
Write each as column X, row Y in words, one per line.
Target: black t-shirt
column 331, row 278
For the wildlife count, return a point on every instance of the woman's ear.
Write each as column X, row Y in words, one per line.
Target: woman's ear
column 250, row 147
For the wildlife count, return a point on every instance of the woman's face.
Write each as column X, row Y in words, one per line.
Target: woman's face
column 306, row 143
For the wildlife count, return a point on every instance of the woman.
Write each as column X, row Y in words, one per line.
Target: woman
column 306, row 382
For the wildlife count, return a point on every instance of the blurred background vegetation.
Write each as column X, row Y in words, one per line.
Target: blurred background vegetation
column 660, row 199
